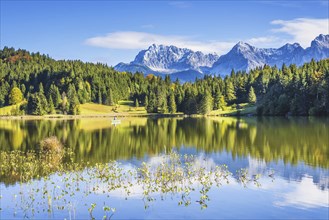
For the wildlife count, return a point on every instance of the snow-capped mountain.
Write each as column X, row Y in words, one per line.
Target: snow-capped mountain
column 167, row 60
column 187, row 64
column 245, row 57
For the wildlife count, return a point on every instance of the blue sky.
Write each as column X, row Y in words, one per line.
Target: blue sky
column 114, row 31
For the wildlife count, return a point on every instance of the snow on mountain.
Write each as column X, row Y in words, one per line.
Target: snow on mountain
column 319, row 48
column 245, row 57
column 188, row 65
column 241, row 57
column 168, row 59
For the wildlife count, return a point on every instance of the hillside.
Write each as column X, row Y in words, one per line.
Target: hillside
column 42, row 85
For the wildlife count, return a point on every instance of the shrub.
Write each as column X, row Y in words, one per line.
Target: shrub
column 51, row 144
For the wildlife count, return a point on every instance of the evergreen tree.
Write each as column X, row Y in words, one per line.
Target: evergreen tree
column 189, row 103
column 206, row 103
column 72, row 99
column 99, row 96
column 222, row 103
column 252, row 96
column 35, row 105
column 65, row 104
column 283, row 105
column 172, row 103
column 41, row 90
column 55, row 95
column 4, row 87
column 42, row 98
column 217, row 100
column 230, row 92
column 161, row 99
column 167, row 79
column 152, row 103
column 110, row 100
column 146, row 102
column 51, row 106
column 163, row 107
column 298, row 90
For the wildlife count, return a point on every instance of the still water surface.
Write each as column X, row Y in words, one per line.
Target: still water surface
column 290, row 154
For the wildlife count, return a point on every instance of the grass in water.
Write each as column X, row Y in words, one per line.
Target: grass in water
column 53, row 182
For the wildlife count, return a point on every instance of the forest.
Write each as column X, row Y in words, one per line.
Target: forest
column 42, row 85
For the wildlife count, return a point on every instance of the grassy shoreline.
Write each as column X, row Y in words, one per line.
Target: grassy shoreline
column 91, row 110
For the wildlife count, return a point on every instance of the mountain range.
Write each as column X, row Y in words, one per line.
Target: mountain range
column 186, row 65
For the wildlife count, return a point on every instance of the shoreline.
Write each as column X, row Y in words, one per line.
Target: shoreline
column 91, row 116
column 122, row 115
column 118, row 115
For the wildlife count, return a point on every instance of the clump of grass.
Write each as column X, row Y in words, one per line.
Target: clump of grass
column 51, row 144
column 51, row 151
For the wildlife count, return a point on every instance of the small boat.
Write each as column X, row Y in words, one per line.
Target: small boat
column 116, row 121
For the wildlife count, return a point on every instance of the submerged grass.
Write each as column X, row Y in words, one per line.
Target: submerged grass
column 175, row 174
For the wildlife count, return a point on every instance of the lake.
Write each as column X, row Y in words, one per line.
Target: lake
column 268, row 167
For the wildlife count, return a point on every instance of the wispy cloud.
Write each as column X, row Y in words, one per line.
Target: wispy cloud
column 142, row 40
column 302, row 30
column 305, row 194
column 266, row 41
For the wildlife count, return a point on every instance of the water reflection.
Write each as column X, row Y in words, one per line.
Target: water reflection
column 270, row 139
column 305, row 194
column 294, row 150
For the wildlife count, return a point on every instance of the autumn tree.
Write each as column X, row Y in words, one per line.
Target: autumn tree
column 15, row 96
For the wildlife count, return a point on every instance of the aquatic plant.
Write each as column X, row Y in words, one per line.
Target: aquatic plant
column 51, row 144
column 57, row 187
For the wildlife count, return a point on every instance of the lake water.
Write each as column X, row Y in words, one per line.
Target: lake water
column 289, row 154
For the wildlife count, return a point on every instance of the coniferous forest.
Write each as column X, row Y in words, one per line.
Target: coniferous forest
column 47, row 86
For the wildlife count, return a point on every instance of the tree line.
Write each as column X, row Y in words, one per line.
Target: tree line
column 42, row 85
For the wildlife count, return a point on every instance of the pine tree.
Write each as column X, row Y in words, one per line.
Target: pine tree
column 217, row 100
column 55, row 95
column 43, row 100
column 252, row 96
column 99, row 96
column 163, row 107
column 41, row 90
column 110, row 98
column 222, row 103
column 167, row 79
column 35, row 105
column 172, row 103
column 206, row 103
column 230, row 92
column 51, row 107
column 73, row 99
column 152, row 103
column 65, row 103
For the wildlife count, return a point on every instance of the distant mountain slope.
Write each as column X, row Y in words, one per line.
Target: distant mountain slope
column 245, row 57
column 187, row 64
column 160, row 59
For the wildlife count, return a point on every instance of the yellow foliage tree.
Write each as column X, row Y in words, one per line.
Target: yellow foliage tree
column 15, row 96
